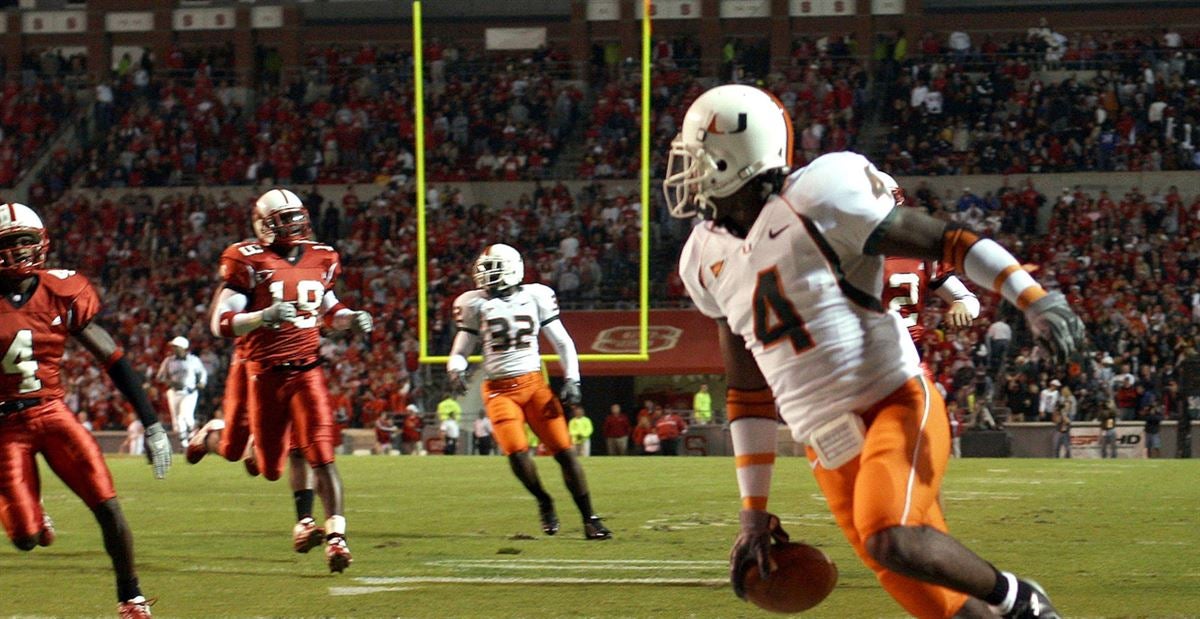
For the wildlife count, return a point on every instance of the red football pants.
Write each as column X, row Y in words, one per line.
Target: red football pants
column 52, row 430
column 280, row 400
column 237, row 420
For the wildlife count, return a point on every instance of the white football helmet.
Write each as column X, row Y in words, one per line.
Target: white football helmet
column 730, row 135
column 281, row 217
column 24, row 243
column 499, row 267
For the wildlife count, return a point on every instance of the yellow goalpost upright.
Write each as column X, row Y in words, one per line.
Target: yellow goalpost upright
column 643, row 353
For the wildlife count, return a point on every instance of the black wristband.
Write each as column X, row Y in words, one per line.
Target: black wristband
column 130, row 386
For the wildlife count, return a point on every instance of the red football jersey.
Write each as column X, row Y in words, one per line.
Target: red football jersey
column 265, row 277
column 34, row 331
column 905, row 284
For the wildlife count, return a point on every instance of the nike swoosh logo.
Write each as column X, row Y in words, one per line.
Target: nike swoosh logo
column 775, row 233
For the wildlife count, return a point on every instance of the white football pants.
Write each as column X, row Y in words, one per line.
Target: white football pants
column 183, row 412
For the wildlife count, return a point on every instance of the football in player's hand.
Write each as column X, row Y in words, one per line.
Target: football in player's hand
column 802, row 576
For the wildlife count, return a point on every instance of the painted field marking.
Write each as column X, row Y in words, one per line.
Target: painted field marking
column 343, row 591
column 605, row 561
column 680, row 522
column 972, row 495
column 581, row 565
column 512, row 580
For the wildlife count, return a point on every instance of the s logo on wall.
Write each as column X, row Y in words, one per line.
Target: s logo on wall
column 625, row 339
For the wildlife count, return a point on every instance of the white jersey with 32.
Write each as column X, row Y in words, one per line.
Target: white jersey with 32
column 508, row 326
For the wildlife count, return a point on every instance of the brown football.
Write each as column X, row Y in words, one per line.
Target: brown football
column 802, row 577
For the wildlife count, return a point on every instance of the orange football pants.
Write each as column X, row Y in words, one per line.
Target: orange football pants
column 513, row 402
column 895, row 481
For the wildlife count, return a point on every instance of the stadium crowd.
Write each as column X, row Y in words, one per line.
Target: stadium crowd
column 346, row 117
column 31, row 111
column 1115, row 101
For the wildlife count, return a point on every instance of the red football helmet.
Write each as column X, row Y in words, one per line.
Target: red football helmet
column 280, row 217
column 24, row 244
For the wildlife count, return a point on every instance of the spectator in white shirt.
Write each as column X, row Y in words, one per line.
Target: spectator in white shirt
column 1048, row 400
column 450, row 433
column 999, row 335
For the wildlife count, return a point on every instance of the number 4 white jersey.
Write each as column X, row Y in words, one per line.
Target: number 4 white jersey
column 804, row 296
column 508, row 326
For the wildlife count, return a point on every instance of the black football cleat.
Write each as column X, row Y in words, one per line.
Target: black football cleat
column 549, row 518
column 593, row 528
column 1033, row 603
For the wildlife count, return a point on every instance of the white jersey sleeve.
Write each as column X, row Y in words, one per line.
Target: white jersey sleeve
column 845, row 196
column 545, row 301
column 695, row 274
column 466, row 311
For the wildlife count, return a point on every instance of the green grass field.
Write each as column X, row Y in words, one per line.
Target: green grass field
column 457, row 537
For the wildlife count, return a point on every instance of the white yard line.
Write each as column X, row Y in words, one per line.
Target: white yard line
column 343, row 591
column 568, row 568
column 592, row 561
column 509, row 580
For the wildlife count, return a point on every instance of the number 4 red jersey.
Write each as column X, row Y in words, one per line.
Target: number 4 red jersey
column 266, row 277
column 906, row 281
column 34, row 331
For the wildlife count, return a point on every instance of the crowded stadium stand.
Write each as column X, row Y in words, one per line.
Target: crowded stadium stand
column 147, row 162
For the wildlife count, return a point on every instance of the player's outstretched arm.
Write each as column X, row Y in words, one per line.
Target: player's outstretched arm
column 340, row 317
column 568, row 358
column 105, row 349
column 911, row 233
column 753, row 424
column 230, row 318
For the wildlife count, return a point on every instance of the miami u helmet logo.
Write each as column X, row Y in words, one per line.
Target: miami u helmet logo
column 741, row 125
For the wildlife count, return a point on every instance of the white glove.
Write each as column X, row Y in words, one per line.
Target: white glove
column 158, row 449
column 1056, row 326
column 361, row 322
column 279, row 313
column 570, row 393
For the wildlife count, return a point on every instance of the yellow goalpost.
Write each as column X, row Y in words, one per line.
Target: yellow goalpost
column 643, row 353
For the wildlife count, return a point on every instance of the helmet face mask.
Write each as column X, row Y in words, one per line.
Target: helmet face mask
column 687, row 170
column 498, row 268
column 730, row 135
column 283, row 227
column 24, row 245
column 280, row 218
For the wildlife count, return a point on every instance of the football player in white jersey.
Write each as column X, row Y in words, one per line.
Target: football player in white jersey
column 508, row 316
column 789, row 265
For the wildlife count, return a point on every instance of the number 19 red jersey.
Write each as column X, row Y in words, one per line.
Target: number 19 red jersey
column 34, row 332
column 266, row 277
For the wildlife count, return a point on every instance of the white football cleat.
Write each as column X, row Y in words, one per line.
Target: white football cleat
column 306, row 535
